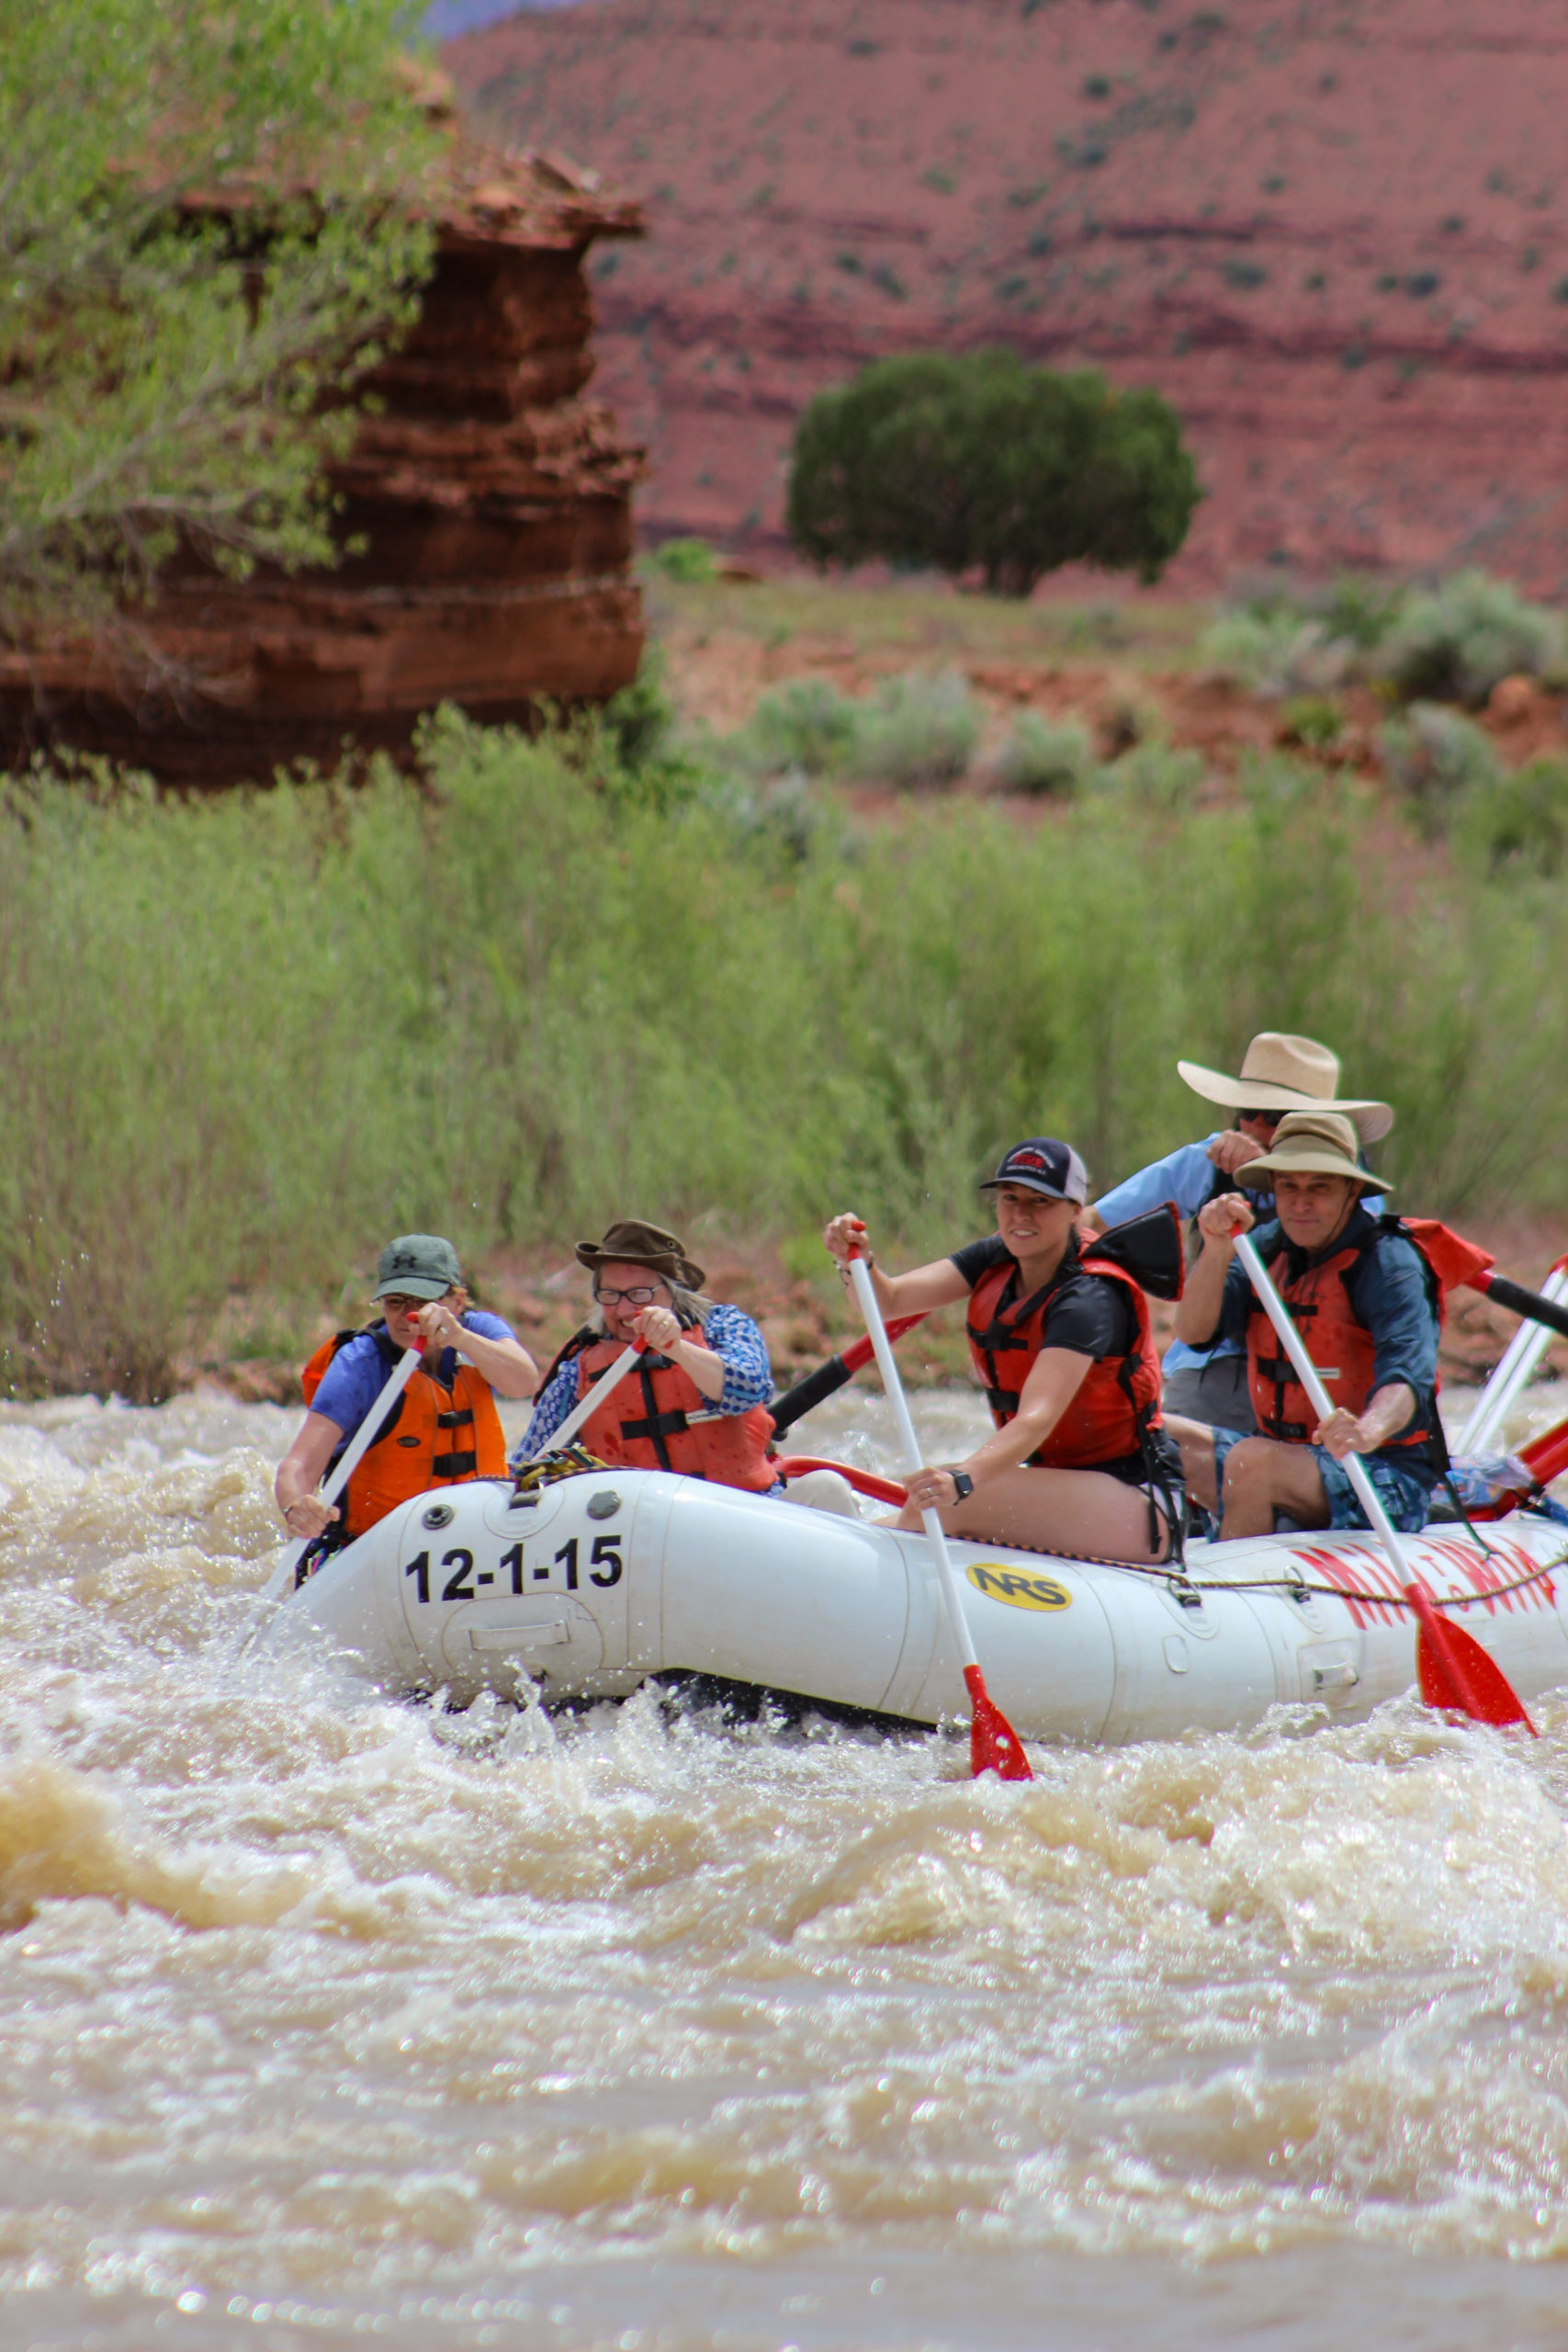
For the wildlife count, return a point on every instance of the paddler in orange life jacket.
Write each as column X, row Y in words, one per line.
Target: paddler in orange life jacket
column 1059, row 1334
column 1366, row 1302
column 696, row 1402
column 443, row 1431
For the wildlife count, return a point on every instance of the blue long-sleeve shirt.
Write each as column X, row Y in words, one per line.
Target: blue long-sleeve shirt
column 732, row 1335
column 1188, row 1177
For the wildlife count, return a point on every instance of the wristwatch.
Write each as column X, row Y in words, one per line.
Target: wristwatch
column 964, row 1483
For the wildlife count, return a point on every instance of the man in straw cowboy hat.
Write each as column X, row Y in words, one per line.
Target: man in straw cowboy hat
column 1279, row 1073
column 1366, row 1302
column 696, row 1401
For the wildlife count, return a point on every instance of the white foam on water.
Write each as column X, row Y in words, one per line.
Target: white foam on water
column 323, row 2014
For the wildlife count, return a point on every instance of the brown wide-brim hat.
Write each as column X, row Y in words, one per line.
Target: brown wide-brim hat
column 632, row 1243
column 1314, row 1143
column 1285, row 1073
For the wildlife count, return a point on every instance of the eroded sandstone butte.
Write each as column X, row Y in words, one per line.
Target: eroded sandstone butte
column 494, row 503
column 1335, row 232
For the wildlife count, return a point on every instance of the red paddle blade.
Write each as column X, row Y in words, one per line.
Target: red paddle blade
column 994, row 1746
column 1455, row 1674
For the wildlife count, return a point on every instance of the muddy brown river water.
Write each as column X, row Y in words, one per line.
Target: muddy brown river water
column 328, row 2020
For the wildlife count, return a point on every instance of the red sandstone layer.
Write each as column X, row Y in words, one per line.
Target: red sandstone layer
column 494, row 503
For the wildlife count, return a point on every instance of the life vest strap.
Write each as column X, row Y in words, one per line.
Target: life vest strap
column 455, row 1465
column 658, row 1425
column 455, row 1420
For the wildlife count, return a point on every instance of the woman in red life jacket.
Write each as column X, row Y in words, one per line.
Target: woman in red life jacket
column 696, row 1402
column 1061, row 1340
column 1366, row 1302
column 443, row 1431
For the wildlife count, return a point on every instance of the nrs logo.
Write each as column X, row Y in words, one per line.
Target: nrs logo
column 1017, row 1587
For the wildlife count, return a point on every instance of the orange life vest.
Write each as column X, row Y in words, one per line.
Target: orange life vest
column 1117, row 1405
column 432, row 1436
column 649, row 1422
column 1336, row 1339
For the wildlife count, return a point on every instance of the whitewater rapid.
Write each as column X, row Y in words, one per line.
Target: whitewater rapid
column 325, row 2019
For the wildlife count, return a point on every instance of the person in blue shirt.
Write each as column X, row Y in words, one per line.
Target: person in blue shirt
column 1365, row 1301
column 1279, row 1073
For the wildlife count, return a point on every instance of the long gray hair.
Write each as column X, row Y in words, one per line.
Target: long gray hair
column 689, row 1304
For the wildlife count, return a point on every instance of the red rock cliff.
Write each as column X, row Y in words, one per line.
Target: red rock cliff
column 1334, row 233
column 495, row 502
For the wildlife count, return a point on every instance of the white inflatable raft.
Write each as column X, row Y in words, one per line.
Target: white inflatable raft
column 599, row 1581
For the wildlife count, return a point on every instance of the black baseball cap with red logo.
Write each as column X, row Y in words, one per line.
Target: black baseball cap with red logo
column 1042, row 1165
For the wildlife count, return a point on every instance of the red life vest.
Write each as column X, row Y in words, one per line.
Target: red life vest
column 649, row 1422
column 432, row 1436
column 1336, row 1339
column 1117, row 1403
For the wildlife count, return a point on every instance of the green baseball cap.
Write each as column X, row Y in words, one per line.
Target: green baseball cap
column 417, row 1265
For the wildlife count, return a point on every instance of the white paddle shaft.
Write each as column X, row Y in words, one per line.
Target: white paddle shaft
column 947, row 1576
column 1306, row 1373
column 585, row 1406
column 1524, row 1352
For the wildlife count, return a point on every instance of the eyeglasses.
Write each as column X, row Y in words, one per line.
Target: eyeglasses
column 644, row 1295
column 397, row 1304
column 1264, row 1118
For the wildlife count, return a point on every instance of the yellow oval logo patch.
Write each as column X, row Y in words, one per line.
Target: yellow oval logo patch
column 1018, row 1587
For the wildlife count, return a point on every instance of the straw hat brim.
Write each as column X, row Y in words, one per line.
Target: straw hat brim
column 1372, row 1120
column 1318, row 1160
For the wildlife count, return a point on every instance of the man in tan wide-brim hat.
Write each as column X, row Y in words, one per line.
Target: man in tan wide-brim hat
column 1366, row 1304
column 1279, row 1073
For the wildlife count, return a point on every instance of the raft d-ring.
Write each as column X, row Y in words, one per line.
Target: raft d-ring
column 1185, row 1595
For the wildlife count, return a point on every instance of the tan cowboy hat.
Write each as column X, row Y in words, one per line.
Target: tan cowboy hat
column 1315, row 1143
column 1283, row 1073
column 632, row 1243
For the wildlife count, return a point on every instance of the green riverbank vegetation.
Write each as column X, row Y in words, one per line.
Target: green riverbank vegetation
column 244, row 1039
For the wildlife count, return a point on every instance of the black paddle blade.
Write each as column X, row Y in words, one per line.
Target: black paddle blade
column 1149, row 1249
column 826, row 1381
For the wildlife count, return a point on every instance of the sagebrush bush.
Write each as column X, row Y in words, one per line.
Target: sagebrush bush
column 1521, row 821
column 1438, row 758
column 1279, row 652
column 1453, row 644
column 917, row 729
column 1049, row 758
column 1155, row 775
column 805, row 724
column 686, row 560
column 245, row 1039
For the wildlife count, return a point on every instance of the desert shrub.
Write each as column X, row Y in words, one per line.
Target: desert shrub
column 1156, row 776
column 686, row 560
column 1520, row 821
column 1312, row 720
column 805, row 724
column 976, row 462
column 1438, row 757
column 1049, row 758
column 1277, row 652
column 917, row 729
column 245, row 1038
column 1453, row 644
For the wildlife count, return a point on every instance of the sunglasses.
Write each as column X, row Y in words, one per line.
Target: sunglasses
column 401, row 1305
column 1264, row 1118
column 644, row 1295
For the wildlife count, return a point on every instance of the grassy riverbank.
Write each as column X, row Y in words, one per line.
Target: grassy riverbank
column 243, row 1040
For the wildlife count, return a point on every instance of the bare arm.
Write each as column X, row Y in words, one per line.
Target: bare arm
column 1389, row 1410
column 1198, row 1313
column 1054, row 1378
column 915, row 1293
column 300, row 1472
column 508, row 1367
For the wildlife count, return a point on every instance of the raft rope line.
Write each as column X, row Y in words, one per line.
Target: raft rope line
column 1172, row 1577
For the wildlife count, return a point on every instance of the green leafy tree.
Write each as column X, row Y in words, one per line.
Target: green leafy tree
column 207, row 234
column 980, row 462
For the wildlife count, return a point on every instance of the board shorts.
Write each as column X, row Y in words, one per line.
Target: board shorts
column 1403, row 1488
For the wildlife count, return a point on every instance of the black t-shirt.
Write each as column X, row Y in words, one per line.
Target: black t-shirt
column 1088, row 1314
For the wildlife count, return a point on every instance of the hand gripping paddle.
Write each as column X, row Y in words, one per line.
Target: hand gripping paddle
column 1453, row 1669
column 994, row 1746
